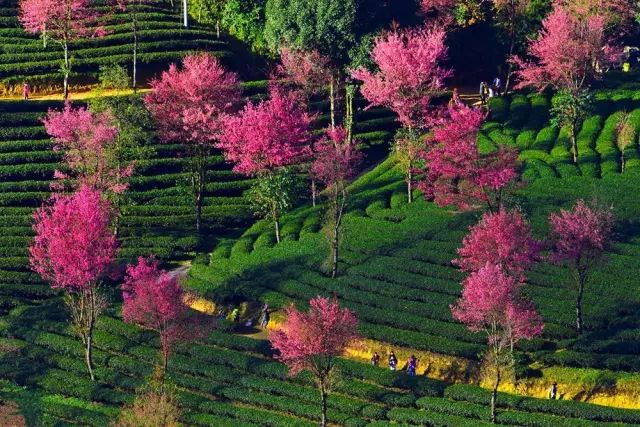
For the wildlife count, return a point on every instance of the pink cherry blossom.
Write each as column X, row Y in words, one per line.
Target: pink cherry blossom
column 74, row 245
column 155, row 299
column 503, row 238
column 410, row 72
column 267, row 135
column 456, row 173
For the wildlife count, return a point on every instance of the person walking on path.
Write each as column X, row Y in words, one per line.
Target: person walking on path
column 411, row 366
column 375, row 359
column 393, row 361
column 483, row 92
column 25, row 91
column 235, row 316
column 553, row 391
column 497, row 86
column 264, row 316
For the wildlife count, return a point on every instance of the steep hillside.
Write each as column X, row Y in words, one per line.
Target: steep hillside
column 397, row 271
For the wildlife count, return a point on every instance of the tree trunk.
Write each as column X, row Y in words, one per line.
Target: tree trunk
column 135, row 54
column 574, row 144
column 332, row 101
column 579, row 324
column 621, row 161
column 334, row 252
column 494, row 395
column 323, row 398
column 276, row 223
column 409, row 185
column 185, row 14
column 65, row 91
column 44, row 36
column 313, row 192
column 217, row 28
column 165, row 364
column 507, row 81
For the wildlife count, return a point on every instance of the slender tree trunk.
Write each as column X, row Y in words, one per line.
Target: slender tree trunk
column 199, row 193
column 313, row 192
column 332, row 101
column 335, row 246
column 44, row 36
column 579, row 323
column 185, row 14
column 621, row 161
column 135, row 54
column 276, row 223
column 88, row 355
column 494, row 395
column 165, row 363
column 217, row 28
column 323, row 399
column 65, row 91
column 349, row 91
column 410, row 185
column 507, row 82
column 574, row 144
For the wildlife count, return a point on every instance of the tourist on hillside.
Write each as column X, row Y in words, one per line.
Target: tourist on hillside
column 553, row 391
column 235, row 316
column 455, row 98
column 484, row 91
column 375, row 359
column 25, row 91
column 264, row 316
column 411, row 365
column 393, row 361
column 497, row 86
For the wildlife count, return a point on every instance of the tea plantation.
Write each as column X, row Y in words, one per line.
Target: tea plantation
column 396, row 271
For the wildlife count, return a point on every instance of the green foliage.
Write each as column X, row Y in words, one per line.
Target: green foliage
column 274, row 194
column 324, row 25
column 245, row 19
column 113, row 77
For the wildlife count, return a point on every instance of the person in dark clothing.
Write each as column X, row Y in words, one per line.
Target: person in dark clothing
column 393, row 361
column 264, row 316
column 411, row 365
column 484, row 91
column 375, row 359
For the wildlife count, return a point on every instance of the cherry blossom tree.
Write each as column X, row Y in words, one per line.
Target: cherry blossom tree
column 455, row 171
column 503, row 238
column 73, row 250
column 264, row 138
column 618, row 14
column 92, row 153
column 335, row 163
column 188, row 105
column 579, row 240
column 155, row 299
column 492, row 302
column 62, row 21
column 267, row 135
column 568, row 55
column 88, row 142
column 314, row 340
column 410, row 73
column 309, row 71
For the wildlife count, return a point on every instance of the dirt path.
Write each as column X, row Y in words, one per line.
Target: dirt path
column 10, row 415
column 73, row 96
